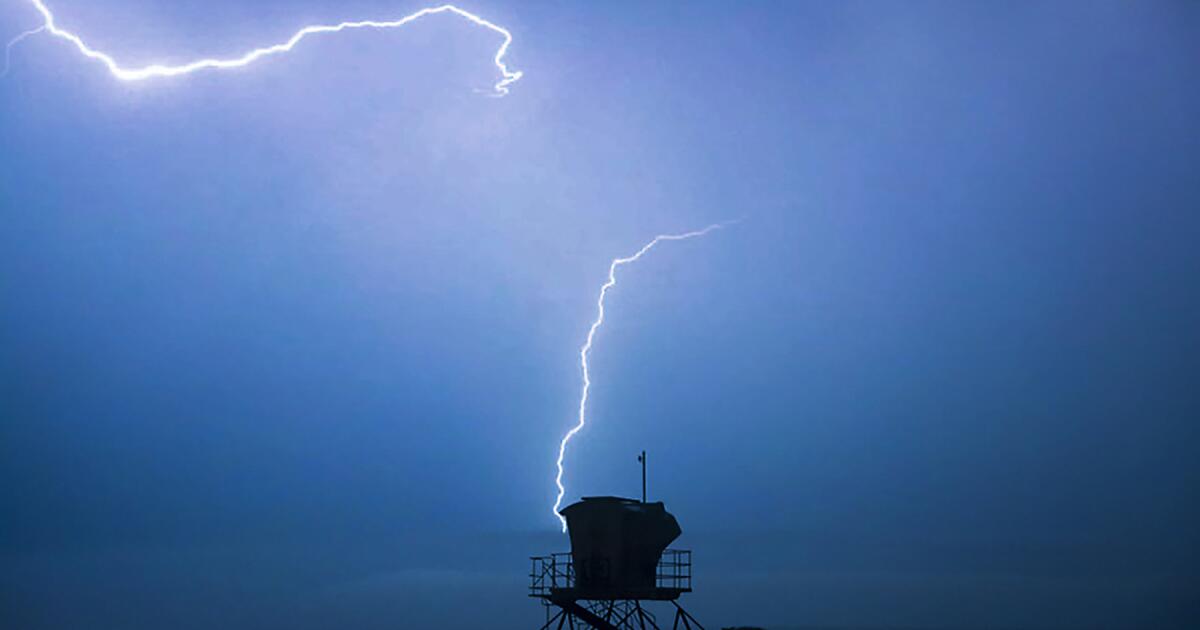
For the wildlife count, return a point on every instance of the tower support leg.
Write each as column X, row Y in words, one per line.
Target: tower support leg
column 682, row 616
column 558, row 616
column 612, row 615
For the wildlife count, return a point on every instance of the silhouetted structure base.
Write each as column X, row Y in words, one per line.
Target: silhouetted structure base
column 611, row 614
column 611, row 607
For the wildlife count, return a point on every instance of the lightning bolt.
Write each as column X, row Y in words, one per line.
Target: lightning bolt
column 17, row 40
column 50, row 26
column 508, row 77
column 591, row 337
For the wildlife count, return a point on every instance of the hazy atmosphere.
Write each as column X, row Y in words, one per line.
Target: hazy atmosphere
column 293, row 345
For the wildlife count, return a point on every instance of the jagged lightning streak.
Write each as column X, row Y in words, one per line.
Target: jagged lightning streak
column 591, row 336
column 13, row 42
column 49, row 25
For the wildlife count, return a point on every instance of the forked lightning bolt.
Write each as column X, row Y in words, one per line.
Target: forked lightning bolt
column 13, row 42
column 508, row 77
column 591, row 337
column 50, row 26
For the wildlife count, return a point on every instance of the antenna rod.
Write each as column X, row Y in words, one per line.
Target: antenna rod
column 642, row 458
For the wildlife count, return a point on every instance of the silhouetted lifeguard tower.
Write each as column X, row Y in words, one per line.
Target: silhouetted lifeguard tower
column 618, row 560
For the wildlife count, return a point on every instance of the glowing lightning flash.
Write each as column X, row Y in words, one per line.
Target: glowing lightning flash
column 17, row 40
column 159, row 70
column 508, row 77
column 591, row 335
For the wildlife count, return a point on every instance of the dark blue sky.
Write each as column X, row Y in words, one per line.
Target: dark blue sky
column 294, row 345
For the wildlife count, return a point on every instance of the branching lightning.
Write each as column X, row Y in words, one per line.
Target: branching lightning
column 591, row 336
column 161, row 70
column 501, row 87
column 13, row 42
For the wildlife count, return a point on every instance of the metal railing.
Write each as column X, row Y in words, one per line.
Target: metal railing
column 675, row 570
column 554, row 571
column 557, row 571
